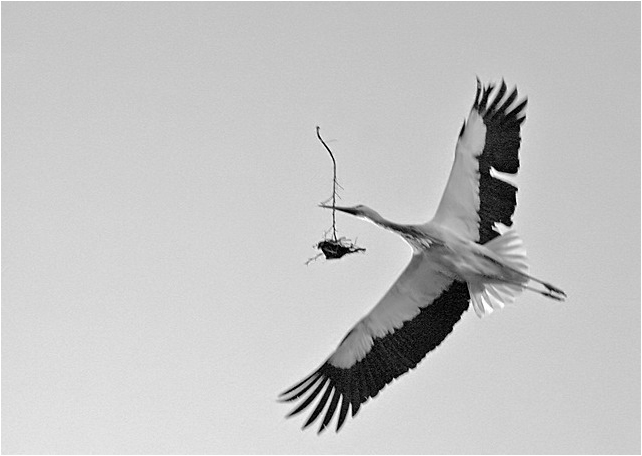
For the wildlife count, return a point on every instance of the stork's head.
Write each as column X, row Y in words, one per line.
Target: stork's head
column 358, row 211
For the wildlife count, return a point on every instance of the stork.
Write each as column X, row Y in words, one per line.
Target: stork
column 467, row 254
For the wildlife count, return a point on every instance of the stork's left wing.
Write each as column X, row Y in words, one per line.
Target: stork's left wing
column 474, row 200
column 412, row 318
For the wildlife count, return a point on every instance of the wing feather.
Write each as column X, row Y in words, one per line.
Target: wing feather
column 320, row 406
column 345, row 405
column 311, row 397
column 497, row 98
column 474, row 200
column 412, row 318
column 330, row 412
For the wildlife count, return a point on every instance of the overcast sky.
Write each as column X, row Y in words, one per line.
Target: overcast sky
column 160, row 177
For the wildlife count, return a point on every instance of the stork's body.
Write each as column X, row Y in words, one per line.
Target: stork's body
column 462, row 255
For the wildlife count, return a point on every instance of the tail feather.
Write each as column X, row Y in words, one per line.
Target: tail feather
column 493, row 293
column 511, row 250
column 489, row 296
column 476, row 291
column 510, row 247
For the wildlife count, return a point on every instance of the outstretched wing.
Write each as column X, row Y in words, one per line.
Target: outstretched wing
column 412, row 318
column 474, row 199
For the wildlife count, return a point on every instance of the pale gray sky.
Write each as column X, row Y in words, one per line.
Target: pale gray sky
column 160, row 176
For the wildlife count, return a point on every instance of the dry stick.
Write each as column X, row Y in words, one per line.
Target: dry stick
column 334, row 184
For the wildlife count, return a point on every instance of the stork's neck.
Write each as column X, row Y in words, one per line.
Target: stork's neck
column 418, row 236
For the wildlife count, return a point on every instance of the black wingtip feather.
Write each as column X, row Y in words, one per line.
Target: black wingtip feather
column 343, row 413
column 299, row 384
column 320, row 406
column 477, row 93
column 498, row 96
column 509, row 100
column 310, row 398
column 295, row 392
column 330, row 412
column 485, row 94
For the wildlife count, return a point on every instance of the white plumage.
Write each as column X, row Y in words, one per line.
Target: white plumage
column 466, row 254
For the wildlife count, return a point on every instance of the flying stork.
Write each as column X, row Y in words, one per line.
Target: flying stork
column 466, row 253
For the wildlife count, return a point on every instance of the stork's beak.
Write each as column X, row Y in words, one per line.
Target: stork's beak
column 347, row 210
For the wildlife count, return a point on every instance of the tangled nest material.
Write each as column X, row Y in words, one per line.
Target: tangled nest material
column 334, row 248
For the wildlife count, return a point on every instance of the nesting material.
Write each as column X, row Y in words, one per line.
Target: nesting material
column 334, row 248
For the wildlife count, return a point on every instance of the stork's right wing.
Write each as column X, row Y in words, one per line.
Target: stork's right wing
column 412, row 318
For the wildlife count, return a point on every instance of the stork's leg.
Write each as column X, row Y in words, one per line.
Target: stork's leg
column 553, row 291
column 559, row 296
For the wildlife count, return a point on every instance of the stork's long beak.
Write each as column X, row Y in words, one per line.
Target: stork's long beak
column 347, row 210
